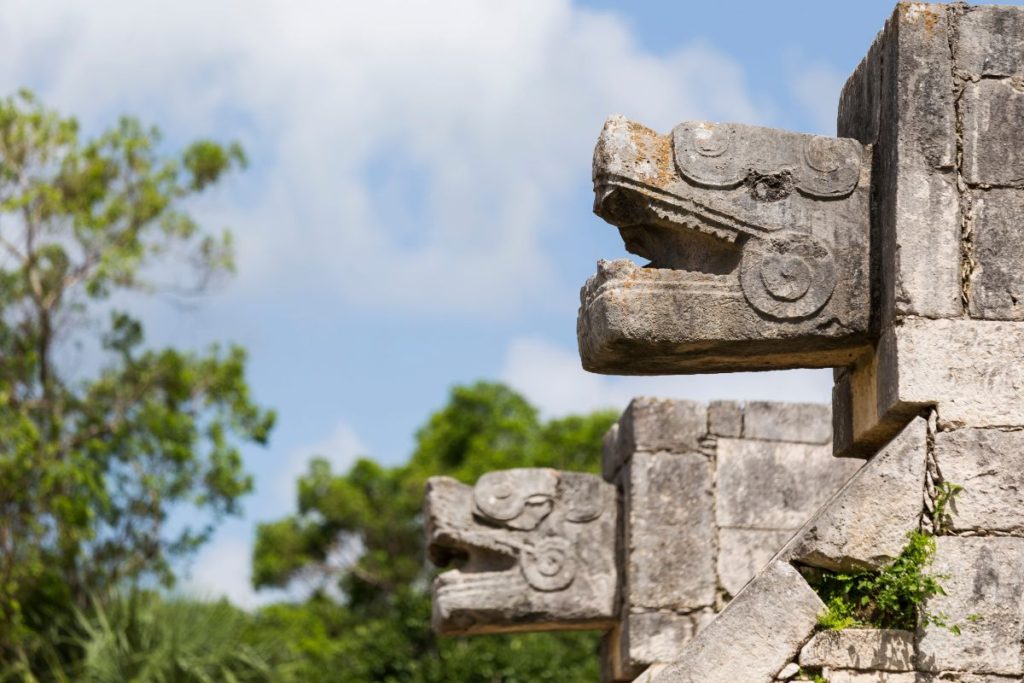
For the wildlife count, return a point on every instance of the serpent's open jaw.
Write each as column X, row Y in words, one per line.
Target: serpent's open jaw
column 739, row 228
column 668, row 230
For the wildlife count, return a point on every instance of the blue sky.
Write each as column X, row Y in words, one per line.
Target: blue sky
column 417, row 209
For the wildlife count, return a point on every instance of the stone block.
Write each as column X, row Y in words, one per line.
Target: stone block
column 997, row 279
column 725, row 418
column 900, row 98
column 654, row 424
column 757, row 634
column 652, row 637
column 670, row 534
column 989, row 465
column 743, row 552
column 860, row 649
column 865, row 525
column 983, row 578
column 798, row 422
column 950, row 677
column 848, row 676
column 775, row 485
column 972, row 369
column 993, row 122
column 988, row 41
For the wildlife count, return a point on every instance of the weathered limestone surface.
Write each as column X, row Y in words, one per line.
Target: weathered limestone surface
column 848, row 676
column 860, row 649
column 989, row 465
column 656, row 636
column 539, row 549
column 725, row 418
column 670, row 508
column 973, row 370
column 894, row 253
column 997, row 279
column 992, row 127
column 901, row 99
column 866, row 523
column 763, row 485
column 983, row 578
column 767, row 622
column 788, row 671
column 795, row 422
column 964, row 678
column 742, row 552
column 652, row 425
column 988, row 42
column 683, row 540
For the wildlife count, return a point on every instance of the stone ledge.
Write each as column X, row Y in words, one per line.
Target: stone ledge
column 860, row 649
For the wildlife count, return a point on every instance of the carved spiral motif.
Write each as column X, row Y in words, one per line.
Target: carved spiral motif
column 550, row 564
column 711, row 140
column 789, row 275
column 825, row 154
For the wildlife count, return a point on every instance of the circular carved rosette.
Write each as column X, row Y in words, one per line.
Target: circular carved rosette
column 498, row 499
column 712, row 141
column 549, row 564
column 788, row 275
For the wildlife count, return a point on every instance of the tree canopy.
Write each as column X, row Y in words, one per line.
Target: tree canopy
column 102, row 436
column 105, row 438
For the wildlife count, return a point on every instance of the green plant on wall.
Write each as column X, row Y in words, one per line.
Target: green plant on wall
column 945, row 500
column 893, row 597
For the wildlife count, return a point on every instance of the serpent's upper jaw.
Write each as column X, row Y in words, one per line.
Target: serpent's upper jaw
column 745, row 229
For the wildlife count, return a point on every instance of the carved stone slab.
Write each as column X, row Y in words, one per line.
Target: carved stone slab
column 746, row 230
column 535, row 549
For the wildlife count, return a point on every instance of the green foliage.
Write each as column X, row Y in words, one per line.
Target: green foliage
column 144, row 638
column 945, row 500
column 360, row 534
column 891, row 598
column 95, row 461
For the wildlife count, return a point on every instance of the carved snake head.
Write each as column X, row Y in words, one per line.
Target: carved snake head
column 758, row 242
column 532, row 548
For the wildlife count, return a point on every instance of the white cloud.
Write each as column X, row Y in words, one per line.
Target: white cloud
column 223, row 570
column 551, row 377
column 816, row 87
column 406, row 155
column 340, row 448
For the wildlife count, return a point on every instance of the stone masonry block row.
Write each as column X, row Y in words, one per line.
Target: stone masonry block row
column 678, row 426
column 703, row 512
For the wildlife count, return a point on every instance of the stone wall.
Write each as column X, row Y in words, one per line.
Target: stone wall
column 693, row 499
column 710, row 492
column 934, row 401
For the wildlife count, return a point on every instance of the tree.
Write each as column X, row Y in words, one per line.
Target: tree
column 359, row 535
column 93, row 463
